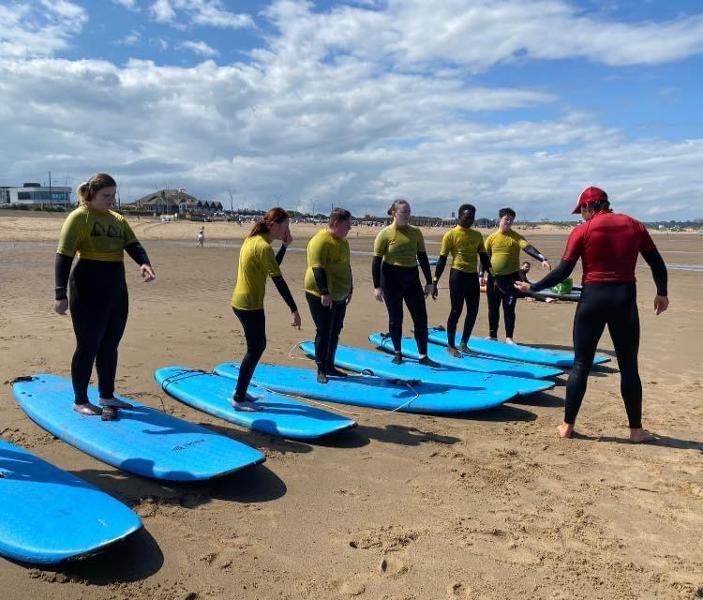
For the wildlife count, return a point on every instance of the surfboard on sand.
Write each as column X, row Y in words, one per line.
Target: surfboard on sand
column 533, row 354
column 371, row 392
column 277, row 415
column 480, row 364
column 143, row 440
column 376, row 363
column 49, row 516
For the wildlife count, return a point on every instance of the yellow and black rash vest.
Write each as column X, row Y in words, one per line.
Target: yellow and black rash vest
column 504, row 250
column 464, row 244
column 331, row 254
column 399, row 245
column 95, row 235
column 256, row 262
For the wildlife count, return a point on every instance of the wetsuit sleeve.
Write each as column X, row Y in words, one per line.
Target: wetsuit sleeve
column 485, row 262
column 534, row 253
column 439, row 269
column 376, row 271
column 659, row 273
column 281, row 253
column 555, row 276
column 425, row 265
column 321, row 280
column 62, row 269
column 128, row 235
column 137, row 253
column 284, row 290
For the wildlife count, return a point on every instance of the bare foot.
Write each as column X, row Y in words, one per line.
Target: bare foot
column 565, row 431
column 464, row 349
column 88, row 409
column 452, row 351
column 641, row 436
column 245, row 406
column 509, row 340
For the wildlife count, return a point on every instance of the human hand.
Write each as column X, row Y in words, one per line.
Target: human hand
column 522, row 286
column 148, row 273
column 661, row 303
column 429, row 287
column 378, row 294
column 326, row 300
column 61, row 306
column 296, row 320
column 484, row 279
column 546, row 265
column 287, row 238
column 348, row 298
column 435, row 291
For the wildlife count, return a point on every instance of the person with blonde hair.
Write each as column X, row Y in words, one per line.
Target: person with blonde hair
column 397, row 250
column 257, row 262
column 97, row 289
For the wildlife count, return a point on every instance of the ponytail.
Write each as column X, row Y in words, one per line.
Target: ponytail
column 263, row 225
column 87, row 189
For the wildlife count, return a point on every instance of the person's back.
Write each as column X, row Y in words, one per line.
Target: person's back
column 608, row 245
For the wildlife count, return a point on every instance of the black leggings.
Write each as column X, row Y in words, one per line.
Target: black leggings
column 254, row 325
column 464, row 288
column 500, row 290
column 99, row 306
column 329, row 322
column 398, row 284
column 614, row 305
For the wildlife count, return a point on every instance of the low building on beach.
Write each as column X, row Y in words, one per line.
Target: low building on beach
column 35, row 195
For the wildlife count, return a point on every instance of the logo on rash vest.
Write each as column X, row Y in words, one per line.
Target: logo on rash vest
column 100, row 230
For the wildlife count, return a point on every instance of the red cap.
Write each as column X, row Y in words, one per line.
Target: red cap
column 588, row 196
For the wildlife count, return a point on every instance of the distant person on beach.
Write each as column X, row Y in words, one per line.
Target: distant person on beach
column 97, row 289
column 608, row 244
column 328, row 288
column 200, row 241
column 466, row 246
column 257, row 262
column 524, row 270
column 503, row 246
column 397, row 250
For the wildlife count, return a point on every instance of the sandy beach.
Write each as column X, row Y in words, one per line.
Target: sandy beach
column 483, row 505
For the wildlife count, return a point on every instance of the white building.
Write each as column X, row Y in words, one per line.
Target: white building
column 34, row 194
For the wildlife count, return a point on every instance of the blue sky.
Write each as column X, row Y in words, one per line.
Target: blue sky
column 312, row 104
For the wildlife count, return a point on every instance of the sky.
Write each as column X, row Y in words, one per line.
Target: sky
column 310, row 105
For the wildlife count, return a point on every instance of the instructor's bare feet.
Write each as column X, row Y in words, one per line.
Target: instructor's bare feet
column 509, row 340
column 88, row 409
column 245, row 406
column 453, row 351
column 641, row 436
column 566, row 431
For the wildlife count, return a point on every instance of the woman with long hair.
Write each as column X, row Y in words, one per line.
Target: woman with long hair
column 397, row 251
column 97, row 289
column 257, row 262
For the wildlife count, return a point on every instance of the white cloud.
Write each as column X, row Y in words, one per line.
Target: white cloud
column 128, row 4
column 199, row 47
column 210, row 13
column 351, row 107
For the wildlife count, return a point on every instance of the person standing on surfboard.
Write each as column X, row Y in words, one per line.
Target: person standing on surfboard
column 328, row 288
column 464, row 244
column 257, row 262
column 397, row 251
column 97, row 287
column 503, row 246
column 608, row 245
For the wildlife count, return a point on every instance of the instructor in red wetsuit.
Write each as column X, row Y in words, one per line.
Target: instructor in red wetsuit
column 607, row 244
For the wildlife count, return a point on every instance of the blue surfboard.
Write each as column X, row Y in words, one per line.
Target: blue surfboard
column 380, row 365
column 481, row 364
column 372, row 392
column 277, row 414
column 144, row 441
column 49, row 516
column 533, row 354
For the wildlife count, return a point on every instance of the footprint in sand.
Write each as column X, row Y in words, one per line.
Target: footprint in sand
column 351, row 586
column 393, row 567
column 458, row 589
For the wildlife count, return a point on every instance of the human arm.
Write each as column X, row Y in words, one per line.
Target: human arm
column 424, row 261
column 321, row 282
column 284, row 291
column 537, row 255
column 62, row 269
column 660, row 276
column 376, row 277
column 563, row 270
column 138, row 254
column 281, row 253
column 438, row 270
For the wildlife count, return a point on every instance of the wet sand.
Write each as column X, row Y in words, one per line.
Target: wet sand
column 485, row 505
